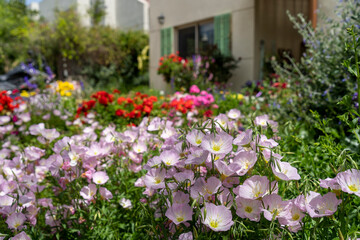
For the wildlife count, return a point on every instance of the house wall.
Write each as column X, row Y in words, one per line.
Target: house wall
column 275, row 29
column 48, row 7
column 183, row 12
column 130, row 15
column 110, row 18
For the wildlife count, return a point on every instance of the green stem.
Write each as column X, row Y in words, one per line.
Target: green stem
column 357, row 70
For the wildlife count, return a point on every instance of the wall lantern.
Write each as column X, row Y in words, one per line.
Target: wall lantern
column 161, row 19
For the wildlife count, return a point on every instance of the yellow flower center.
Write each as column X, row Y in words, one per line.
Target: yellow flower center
column 157, row 180
column 248, row 209
column 216, row 147
column 353, row 188
column 214, row 223
column 179, row 219
column 295, row 217
column 198, row 141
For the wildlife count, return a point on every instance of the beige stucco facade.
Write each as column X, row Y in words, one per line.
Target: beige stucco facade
column 252, row 21
column 178, row 13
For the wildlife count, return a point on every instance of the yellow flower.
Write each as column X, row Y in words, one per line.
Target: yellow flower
column 239, row 97
column 64, row 88
column 24, row 94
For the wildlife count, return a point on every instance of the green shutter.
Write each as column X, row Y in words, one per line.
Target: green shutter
column 166, row 41
column 222, row 31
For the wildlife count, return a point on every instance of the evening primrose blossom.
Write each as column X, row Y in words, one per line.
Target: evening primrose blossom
column 217, row 218
column 349, row 181
column 218, row 144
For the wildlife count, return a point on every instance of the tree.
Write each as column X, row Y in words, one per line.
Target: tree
column 97, row 12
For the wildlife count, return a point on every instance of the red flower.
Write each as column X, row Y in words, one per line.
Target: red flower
column 208, row 113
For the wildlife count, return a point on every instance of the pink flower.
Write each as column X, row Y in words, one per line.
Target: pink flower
column 349, row 181
column 274, row 207
column 253, row 187
column 225, row 197
column 330, row 183
column 264, row 121
column 222, row 120
column 100, row 177
column 33, row 153
column 245, row 160
column 140, row 147
column 105, row 194
column 180, row 198
column 219, row 144
column 15, row 220
column 194, row 89
column 320, row 206
column 21, row 236
column 155, row 178
column 243, row 138
column 217, row 218
column 205, row 188
column 186, row 236
column 195, row 137
column 88, row 192
column 234, row 114
column 247, row 208
column 179, row 213
column 170, row 157
column 125, row 203
column 285, row 171
column 50, row 134
column 197, row 156
column 292, row 216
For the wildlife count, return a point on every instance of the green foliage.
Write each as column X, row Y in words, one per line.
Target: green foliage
column 319, row 82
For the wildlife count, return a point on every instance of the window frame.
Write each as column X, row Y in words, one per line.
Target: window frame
column 193, row 24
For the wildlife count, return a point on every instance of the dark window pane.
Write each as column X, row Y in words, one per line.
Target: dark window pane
column 206, row 37
column 187, row 42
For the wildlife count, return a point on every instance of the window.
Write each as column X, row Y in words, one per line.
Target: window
column 195, row 39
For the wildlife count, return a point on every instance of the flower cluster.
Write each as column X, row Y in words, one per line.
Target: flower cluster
column 85, row 107
column 171, row 65
column 64, row 88
column 104, row 98
column 7, row 103
column 213, row 171
column 136, row 107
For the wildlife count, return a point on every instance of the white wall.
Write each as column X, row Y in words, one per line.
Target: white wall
column 82, row 7
column 182, row 12
column 129, row 15
column 48, row 7
column 110, row 17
